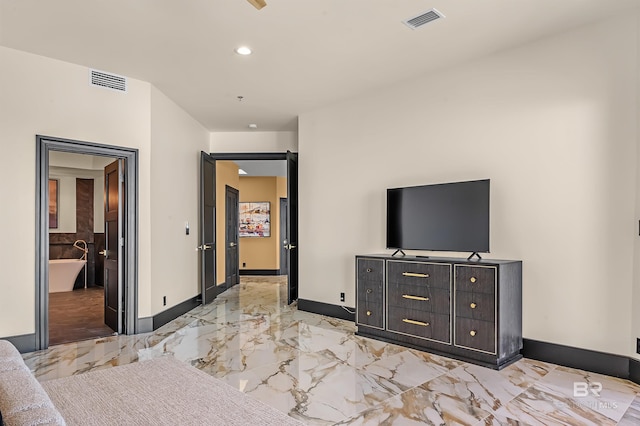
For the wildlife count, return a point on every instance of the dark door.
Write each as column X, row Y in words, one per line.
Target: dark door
column 207, row 227
column 232, row 260
column 114, row 244
column 292, row 226
column 284, row 219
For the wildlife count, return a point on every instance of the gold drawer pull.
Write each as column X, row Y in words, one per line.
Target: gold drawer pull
column 473, row 279
column 368, row 313
column 473, row 305
column 414, row 322
column 472, row 333
column 408, row 296
column 414, row 274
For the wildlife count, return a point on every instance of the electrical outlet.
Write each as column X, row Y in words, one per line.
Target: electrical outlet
column 244, row 264
column 342, row 297
column 164, row 300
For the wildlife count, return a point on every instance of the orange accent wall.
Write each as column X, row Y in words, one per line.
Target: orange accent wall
column 263, row 252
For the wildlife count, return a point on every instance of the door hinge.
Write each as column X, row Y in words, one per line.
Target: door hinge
column 121, row 242
column 121, row 177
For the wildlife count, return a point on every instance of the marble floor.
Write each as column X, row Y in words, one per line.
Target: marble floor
column 318, row 371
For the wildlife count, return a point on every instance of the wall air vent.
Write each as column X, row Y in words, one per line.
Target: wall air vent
column 423, row 19
column 107, row 81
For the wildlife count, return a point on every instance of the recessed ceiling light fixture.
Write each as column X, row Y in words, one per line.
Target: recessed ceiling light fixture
column 243, row 50
column 253, row 126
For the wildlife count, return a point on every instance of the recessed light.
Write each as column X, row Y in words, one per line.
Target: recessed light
column 253, row 126
column 241, row 172
column 243, row 50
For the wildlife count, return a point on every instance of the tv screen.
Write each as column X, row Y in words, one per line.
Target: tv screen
column 442, row 217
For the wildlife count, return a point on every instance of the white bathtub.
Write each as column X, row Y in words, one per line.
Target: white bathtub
column 63, row 274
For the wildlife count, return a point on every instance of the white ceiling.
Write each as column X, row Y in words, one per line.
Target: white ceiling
column 263, row 167
column 307, row 54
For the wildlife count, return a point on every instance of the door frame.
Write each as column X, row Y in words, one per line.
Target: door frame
column 44, row 145
column 233, row 156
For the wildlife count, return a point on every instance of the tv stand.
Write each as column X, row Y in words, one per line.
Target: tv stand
column 475, row 253
column 398, row 251
column 468, row 310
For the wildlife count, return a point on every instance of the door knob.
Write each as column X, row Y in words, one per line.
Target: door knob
column 289, row 247
column 103, row 252
column 203, row 247
column 232, row 244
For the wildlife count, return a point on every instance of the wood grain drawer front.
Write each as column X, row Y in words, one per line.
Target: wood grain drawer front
column 370, row 314
column 479, row 279
column 417, row 273
column 371, row 291
column 476, row 335
column 479, row 306
column 422, row 324
column 420, row 297
column 371, row 269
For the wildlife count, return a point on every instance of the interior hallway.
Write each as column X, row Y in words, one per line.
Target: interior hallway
column 317, row 370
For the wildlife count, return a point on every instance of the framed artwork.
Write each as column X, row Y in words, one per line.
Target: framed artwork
column 255, row 219
column 53, row 202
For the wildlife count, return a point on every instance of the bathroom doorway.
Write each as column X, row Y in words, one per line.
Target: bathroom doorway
column 86, row 236
column 77, row 247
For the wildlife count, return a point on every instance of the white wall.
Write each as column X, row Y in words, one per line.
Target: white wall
column 67, row 197
column 177, row 140
column 553, row 124
column 66, row 202
column 635, row 301
column 254, row 142
column 49, row 97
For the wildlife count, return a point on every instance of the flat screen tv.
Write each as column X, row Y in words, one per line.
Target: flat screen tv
column 442, row 217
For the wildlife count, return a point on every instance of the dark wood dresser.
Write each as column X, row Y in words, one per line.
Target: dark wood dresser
column 465, row 309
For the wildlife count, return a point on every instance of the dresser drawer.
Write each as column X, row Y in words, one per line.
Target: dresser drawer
column 371, row 314
column 479, row 306
column 480, row 279
column 371, row 291
column 423, row 324
column 477, row 335
column 418, row 273
column 420, row 297
column 370, row 269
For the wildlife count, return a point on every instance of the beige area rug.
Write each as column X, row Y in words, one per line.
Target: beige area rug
column 162, row 391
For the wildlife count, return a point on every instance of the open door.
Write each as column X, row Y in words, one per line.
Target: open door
column 232, row 255
column 207, row 227
column 284, row 220
column 292, row 224
column 114, row 244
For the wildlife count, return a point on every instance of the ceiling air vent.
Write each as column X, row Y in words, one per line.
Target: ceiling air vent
column 107, row 81
column 423, row 19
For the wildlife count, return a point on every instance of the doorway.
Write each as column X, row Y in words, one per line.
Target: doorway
column 120, row 289
column 76, row 237
column 291, row 231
